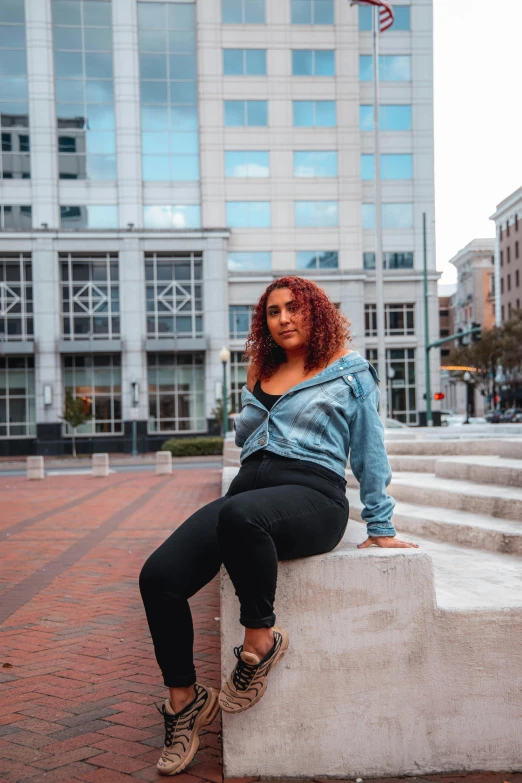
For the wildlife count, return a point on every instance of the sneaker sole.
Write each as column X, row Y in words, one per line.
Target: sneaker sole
column 205, row 717
column 282, row 650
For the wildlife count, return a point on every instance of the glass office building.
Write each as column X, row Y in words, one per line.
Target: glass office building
column 155, row 179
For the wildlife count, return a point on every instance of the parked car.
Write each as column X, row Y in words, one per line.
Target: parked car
column 395, row 424
column 509, row 415
column 449, row 418
column 518, row 418
column 493, row 417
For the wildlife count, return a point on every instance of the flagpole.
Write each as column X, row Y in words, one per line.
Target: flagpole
column 379, row 273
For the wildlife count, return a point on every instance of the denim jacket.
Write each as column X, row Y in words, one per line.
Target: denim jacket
column 325, row 419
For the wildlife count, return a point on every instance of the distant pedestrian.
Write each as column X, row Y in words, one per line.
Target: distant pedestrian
column 317, row 406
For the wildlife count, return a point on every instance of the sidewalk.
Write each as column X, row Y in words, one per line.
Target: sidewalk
column 78, row 676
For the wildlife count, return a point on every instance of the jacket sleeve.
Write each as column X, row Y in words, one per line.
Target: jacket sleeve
column 238, row 440
column 370, row 466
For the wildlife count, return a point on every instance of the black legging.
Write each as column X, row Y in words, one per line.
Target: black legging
column 276, row 508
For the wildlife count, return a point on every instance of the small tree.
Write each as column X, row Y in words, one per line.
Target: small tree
column 74, row 414
column 217, row 411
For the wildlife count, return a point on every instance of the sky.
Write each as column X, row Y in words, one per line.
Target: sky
column 478, row 125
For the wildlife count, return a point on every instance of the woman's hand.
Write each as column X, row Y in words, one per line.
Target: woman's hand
column 389, row 542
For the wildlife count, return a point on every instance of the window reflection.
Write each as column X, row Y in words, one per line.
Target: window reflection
column 84, row 89
column 78, row 217
column 14, row 164
column 170, row 146
column 317, row 259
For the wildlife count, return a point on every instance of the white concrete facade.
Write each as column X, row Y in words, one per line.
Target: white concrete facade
column 351, row 285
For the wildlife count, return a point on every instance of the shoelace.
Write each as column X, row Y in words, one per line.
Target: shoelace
column 244, row 672
column 170, row 724
column 171, row 721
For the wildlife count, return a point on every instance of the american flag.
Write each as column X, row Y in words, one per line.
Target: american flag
column 385, row 12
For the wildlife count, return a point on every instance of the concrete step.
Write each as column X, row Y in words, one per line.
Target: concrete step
column 477, row 531
column 511, row 448
column 426, row 489
column 487, row 470
column 415, row 464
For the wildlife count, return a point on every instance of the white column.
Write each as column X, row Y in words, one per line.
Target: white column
column 47, row 308
column 42, row 113
column 215, row 297
column 133, row 325
column 127, row 109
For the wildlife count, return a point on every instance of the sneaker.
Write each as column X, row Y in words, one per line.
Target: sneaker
column 182, row 729
column 248, row 681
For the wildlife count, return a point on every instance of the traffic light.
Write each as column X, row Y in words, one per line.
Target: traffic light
column 439, row 395
column 460, row 339
column 475, row 336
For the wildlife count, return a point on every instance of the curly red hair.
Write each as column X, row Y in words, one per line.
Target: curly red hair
column 329, row 328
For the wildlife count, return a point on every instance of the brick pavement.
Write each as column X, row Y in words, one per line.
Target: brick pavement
column 78, row 677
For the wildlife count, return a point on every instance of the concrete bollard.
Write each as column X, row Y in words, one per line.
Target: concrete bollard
column 100, row 465
column 35, row 468
column 163, row 463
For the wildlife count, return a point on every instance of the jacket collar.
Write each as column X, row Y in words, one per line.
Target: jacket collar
column 353, row 362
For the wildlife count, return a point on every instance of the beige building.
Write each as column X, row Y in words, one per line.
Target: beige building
column 508, row 219
column 472, row 302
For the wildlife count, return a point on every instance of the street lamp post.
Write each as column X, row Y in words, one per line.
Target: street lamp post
column 391, row 376
column 134, row 417
column 467, row 378
column 224, row 355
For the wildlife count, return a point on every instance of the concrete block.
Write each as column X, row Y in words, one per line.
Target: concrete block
column 378, row 681
column 163, row 463
column 35, row 468
column 501, row 447
column 417, row 464
column 100, row 465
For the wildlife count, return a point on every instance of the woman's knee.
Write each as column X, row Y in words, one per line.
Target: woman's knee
column 235, row 516
column 157, row 578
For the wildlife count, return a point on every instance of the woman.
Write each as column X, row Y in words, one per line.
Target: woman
column 317, row 403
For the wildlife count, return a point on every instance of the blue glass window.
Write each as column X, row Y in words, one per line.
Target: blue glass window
column 84, row 88
column 316, row 213
column 243, row 11
column 239, row 320
column 241, row 113
column 392, row 68
column 309, row 114
column 315, row 163
column 172, row 217
column 401, row 20
column 393, row 216
column 89, row 217
column 246, row 163
column 391, row 117
column 397, row 215
column 313, row 62
column 249, row 261
column 392, row 166
column 14, row 113
column 170, row 142
column 368, row 216
column 244, row 62
column 248, row 214
column 312, row 11
column 317, row 259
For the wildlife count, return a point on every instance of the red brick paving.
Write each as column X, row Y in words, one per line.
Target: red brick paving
column 77, row 694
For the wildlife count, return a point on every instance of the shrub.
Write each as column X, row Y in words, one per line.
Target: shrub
column 193, row 447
